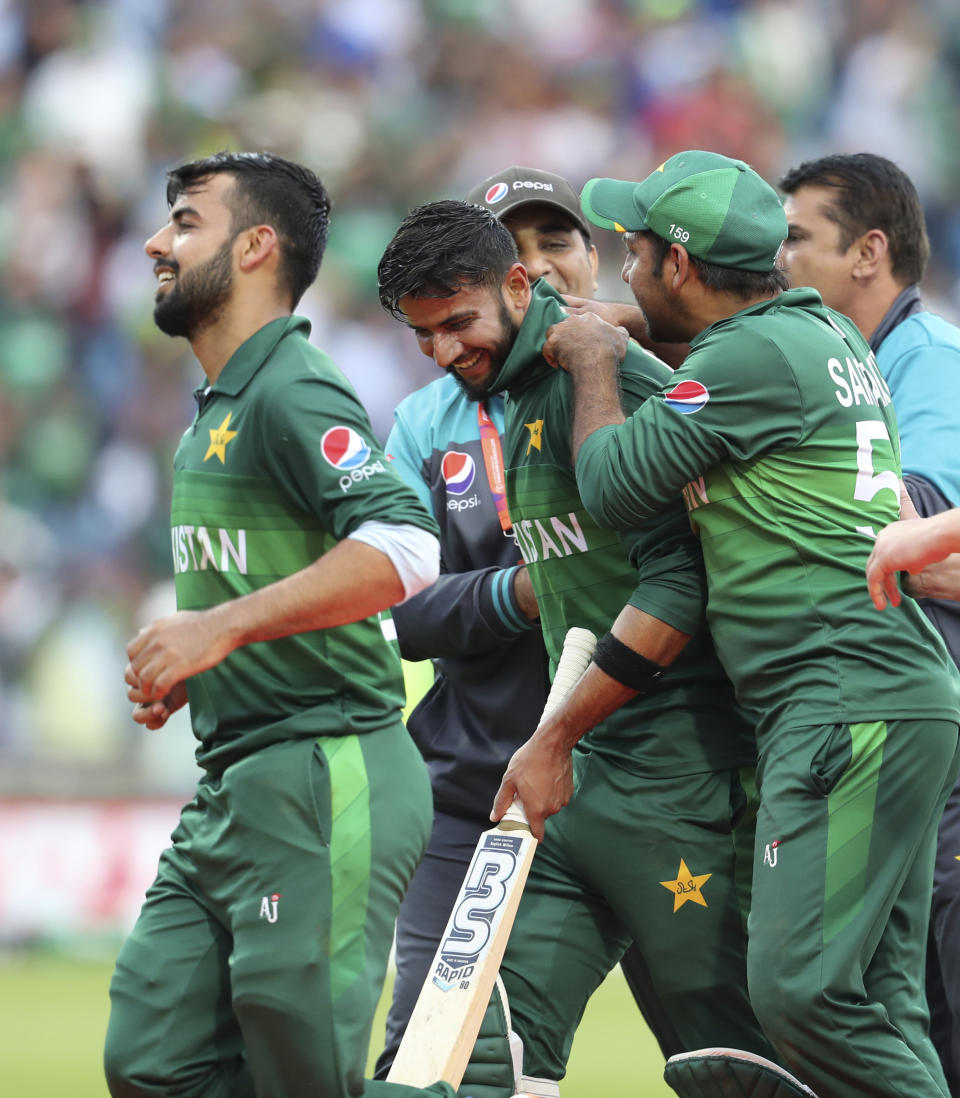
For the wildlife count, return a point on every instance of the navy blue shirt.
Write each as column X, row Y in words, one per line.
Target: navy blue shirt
column 491, row 667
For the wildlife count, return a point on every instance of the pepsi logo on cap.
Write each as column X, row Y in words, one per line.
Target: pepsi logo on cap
column 458, row 471
column 496, row 193
column 344, row 448
column 687, row 397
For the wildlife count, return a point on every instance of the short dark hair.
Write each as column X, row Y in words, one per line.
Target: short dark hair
column 441, row 247
column 273, row 191
column 727, row 280
column 871, row 193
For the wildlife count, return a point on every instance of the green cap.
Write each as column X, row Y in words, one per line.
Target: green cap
column 719, row 209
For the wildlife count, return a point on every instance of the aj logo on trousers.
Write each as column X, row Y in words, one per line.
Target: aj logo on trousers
column 268, row 907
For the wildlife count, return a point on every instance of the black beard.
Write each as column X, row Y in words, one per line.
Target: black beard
column 476, row 393
column 196, row 300
column 664, row 332
column 498, row 356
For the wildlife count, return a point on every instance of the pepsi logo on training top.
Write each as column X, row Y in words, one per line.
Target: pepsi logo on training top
column 344, row 448
column 687, row 397
column 458, row 471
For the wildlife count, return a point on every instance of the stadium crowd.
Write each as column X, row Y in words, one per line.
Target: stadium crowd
column 394, row 102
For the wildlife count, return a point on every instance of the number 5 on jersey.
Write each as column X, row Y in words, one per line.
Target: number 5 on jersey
column 869, row 483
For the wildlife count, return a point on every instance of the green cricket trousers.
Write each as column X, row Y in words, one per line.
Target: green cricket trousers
column 651, row 860
column 258, row 958
column 842, row 881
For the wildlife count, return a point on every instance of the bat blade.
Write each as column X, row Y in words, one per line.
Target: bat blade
column 444, row 1024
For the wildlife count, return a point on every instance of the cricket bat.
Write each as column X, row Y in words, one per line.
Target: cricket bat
column 443, row 1027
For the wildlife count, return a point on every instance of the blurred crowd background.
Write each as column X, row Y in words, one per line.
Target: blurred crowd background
column 393, row 102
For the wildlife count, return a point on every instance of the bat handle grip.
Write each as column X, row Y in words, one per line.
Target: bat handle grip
column 578, row 646
column 514, row 817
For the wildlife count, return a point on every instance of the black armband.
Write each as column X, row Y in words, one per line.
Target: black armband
column 626, row 666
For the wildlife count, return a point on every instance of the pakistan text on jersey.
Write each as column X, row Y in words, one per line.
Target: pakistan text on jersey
column 859, row 382
column 555, row 536
column 195, row 549
column 695, row 493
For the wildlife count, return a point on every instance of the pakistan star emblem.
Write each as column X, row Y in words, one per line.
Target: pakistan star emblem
column 219, row 437
column 687, row 887
column 536, row 434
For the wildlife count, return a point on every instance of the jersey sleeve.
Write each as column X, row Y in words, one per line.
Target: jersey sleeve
column 731, row 400
column 671, row 580
column 671, row 583
column 319, row 442
column 462, row 614
column 406, row 457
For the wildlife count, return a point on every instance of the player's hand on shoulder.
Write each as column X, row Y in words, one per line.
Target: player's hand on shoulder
column 632, row 318
column 617, row 313
column 584, row 340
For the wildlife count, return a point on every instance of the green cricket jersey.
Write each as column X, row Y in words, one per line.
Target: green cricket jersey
column 584, row 575
column 780, row 429
column 279, row 465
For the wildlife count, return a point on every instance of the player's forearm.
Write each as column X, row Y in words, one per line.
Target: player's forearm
column 933, row 544
column 350, row 582
column 462, row 614
column 944, row 533
column 591, row 701
column 599, row 694
column 913, row 544
column 596, row 399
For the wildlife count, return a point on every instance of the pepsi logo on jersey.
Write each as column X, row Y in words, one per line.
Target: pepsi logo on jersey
column 687, row 397
column 459, row 471
column 345, row 449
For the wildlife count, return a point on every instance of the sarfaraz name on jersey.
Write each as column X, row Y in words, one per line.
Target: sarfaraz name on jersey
column 195, row 549
column 470, row 927
column 859, row 382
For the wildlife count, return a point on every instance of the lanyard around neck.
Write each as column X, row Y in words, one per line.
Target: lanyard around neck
column 493, row 461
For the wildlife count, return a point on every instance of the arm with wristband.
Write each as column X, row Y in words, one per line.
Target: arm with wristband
column 629, row 660
column 665, row 609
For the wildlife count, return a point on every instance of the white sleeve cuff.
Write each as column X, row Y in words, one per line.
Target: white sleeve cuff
column 414, row 553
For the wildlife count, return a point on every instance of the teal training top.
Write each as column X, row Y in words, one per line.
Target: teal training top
column 583, row 575
column 780, row 429
column 279, row 465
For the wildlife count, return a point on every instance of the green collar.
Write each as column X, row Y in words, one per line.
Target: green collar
column 525, row 364
column 251, row 355
column 804, row 297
